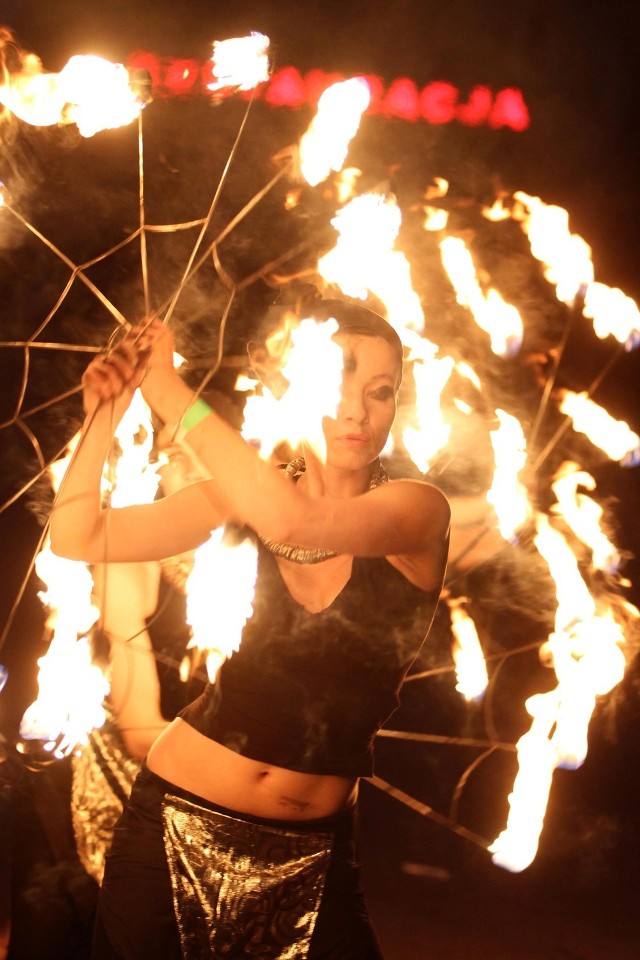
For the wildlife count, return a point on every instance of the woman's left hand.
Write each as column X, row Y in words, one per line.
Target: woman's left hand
column 115, row 375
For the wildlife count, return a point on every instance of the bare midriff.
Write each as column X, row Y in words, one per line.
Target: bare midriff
column 193, row 762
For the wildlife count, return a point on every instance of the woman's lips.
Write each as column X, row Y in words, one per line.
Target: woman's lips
column 359, row 438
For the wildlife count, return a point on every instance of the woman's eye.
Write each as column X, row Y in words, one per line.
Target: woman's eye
column 382, row 393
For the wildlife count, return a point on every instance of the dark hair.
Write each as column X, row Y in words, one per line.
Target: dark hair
column 304, row 300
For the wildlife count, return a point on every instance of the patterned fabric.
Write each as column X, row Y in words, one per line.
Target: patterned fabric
column 103, row 774
column 242, row 889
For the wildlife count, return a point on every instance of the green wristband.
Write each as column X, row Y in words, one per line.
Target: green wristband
column 197, row 412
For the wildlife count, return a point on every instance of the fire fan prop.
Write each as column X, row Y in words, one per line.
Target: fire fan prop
column 486, row 298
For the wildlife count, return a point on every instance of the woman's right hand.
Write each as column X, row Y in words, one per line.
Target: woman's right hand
column 115, row 375
column 156, row 337
column 163, row 388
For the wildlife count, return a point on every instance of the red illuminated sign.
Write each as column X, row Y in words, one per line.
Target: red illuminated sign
column 439, row 102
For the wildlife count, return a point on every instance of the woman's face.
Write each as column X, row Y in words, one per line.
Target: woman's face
column 370, row 381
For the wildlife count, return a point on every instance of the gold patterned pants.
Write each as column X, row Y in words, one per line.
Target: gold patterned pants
column 186, row 880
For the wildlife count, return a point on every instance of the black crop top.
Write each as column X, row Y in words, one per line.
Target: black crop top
column 309, row 691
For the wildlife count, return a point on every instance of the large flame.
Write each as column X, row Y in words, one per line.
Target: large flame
column 613, row 314
column 324, row 146
column 89, row 91
column 70, row 688
column 585, row 651
column 312, row 370
column 515, row 848
column 56, row 718
column 217, row 616
column 364, row 259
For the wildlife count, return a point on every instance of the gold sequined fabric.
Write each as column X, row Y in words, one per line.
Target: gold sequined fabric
column 102, row 776
column 242, row 890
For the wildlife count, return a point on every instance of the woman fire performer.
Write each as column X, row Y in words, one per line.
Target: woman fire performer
column 238, row 839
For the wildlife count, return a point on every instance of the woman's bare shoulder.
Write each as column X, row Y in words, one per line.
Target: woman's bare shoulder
column 425, row 495
column 425, row 566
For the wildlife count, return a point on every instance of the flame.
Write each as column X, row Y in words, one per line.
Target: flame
column 568, row 265
column 244, row 384
column 566, row 256
column 497, row 211
column 312, row 366
column 585, row 651
column 464, row 370
column 615, row 437
column 437, row 189
column 422, row 442
column 89, row 91
column 507, row 495
column 242, row 62
column 218, row 616
column 59, row 720
column 583, row 515
column 435, row 218
column 468, row 656
column 587, row 666
column 574, row 600
column 515, row 848
column 324, row 145
column 346, row 182
column 363, row 259
column 133, row 480
column 32, row 95
column 500, row 320
column 613, row 313
column 54, row 717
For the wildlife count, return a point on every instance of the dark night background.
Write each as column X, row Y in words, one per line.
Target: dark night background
column 432, row 894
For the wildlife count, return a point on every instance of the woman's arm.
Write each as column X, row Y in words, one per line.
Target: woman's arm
column 80, row 528
column 127, row 595
column 400, row 518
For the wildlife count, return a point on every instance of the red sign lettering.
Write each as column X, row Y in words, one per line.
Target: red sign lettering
column 439, row 102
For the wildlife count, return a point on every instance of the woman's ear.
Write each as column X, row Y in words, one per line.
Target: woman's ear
column 267, row 369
